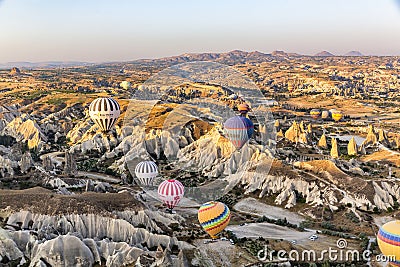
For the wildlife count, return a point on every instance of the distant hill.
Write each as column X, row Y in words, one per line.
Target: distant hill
column 45, row 64
column 280, row 53
column 353, row 54
column 232, row 57
column 324, row 54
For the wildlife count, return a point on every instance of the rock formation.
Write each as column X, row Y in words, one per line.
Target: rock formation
column 26, row 162
column 371, row 138
column 397, row 141
column 334, row 149
column 15, row 71
column 309, row 128
column 362, row 150
column 277, row 124
column 296, row 133
column 47, row 164
column 352, row 147
column 383, row 138
column 67, row 250
column 280, row 134
column 70, row 167
column 322, row 142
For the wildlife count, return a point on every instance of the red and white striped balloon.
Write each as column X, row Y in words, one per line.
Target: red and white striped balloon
column 170, row 192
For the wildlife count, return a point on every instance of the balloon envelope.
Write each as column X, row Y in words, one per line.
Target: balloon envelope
column 146, row 171
column 325, row 114
column 243, row 108
column 389, row 240
column 336, row 115
column 171, row 192
column 214, row 216
column 104, row 112
column 315, row 113
column 239, row 130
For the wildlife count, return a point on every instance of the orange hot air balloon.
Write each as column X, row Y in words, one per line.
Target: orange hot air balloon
column 243, row 108
column 315, row 113
column 214, row 216
column 389, row 241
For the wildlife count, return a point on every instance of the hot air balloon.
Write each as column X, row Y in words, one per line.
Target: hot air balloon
column 325, row 114
column 389, row 241
column 170, row 192
column 315, row 113
column 125, row 84
column 146, row 171
column 104, row 112
column 239, row 130
column 214, row 216
column 243, row 108
column 336, row 115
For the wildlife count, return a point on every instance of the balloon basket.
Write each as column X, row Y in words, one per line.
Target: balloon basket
column 170, row 211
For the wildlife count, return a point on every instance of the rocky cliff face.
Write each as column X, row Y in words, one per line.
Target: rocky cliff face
column 85, row 239
column 323, row 188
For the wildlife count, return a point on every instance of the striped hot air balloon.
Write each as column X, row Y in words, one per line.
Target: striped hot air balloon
column 315, row 113
column 389, row 241
column 146, row 171
column 214, row 216
column 104, row 111
column 171, row 192
column 239, row 130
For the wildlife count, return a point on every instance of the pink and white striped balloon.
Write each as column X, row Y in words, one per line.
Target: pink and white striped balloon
column 170, row 192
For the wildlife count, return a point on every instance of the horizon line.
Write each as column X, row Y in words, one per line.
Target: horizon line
column 195, row 53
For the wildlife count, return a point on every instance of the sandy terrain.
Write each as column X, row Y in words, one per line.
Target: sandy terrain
column 268, row 230
column 255, row 207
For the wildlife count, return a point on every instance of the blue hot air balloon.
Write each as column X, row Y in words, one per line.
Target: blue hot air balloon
column 239, row 130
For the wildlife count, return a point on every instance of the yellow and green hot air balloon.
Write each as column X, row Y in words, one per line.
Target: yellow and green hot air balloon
column 214, row 216
column 389, row 241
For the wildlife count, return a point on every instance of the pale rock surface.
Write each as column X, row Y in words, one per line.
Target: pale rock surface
column 8, row 248
column 64, row 250
column 293, row 133
column 383, row 138
column 371, row 138
column 334, row 149
column 322, row 142
column 352, row 147
column 91, row 226
column 25, row 129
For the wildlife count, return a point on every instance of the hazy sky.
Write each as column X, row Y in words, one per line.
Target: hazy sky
column 97, row 30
